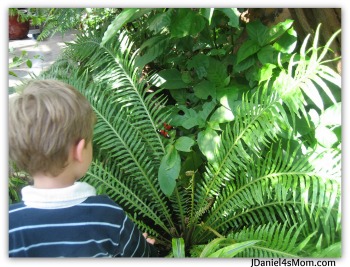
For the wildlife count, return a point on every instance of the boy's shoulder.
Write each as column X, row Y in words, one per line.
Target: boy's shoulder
column 102, row 200
column 98, row 200
column 16, row 206
column 101, row 206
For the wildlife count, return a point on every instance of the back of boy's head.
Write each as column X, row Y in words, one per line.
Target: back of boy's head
column 45, row 120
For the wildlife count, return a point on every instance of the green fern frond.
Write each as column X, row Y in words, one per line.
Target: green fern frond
column 305, row 75
column 180, row 204
column 333, row 251
column 290, row 186
column 108, row 64
column 60, row 20
column 122, row 142
column 277, row 241
column 283, row 186
column 263, row 114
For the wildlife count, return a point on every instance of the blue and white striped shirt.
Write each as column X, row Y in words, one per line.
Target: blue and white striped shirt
column 96, row 227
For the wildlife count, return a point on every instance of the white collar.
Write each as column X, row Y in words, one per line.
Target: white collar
column 58, row 197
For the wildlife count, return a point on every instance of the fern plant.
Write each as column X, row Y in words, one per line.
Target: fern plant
column 258, row 185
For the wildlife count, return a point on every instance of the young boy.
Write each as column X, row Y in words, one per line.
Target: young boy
column 50, row 132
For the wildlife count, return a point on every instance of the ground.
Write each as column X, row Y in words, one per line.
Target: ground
column 42, row 55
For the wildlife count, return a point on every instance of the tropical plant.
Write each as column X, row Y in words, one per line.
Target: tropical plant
column 35, row 16
column 17, row 180
column 260, row 185
column 60, row 20
column 20, row 12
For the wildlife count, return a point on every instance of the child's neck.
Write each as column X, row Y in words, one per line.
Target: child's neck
column 46, row 181
column 50, row 184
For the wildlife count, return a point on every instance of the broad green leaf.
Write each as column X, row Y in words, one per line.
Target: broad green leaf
column 152, row 42
column 252, row 75
column 214, row 125
column 159, row 22
column 228, row 96
column 232, row 250
column 267, row 54
column 185, row 22
column 204, row 89
column 178, row 245
column 200, row 63
column 171, row 156
column 277, row 30
column 15, row 59
column 149, row 56
column 29, row 63
column 198, row 60
column 172, row 79
column 257, row 32
column 208, row 142
column 201, row 72
column 287, row 42
column 192, row 118
column 118, row 23
column 186, row 77
column 207, row 109
column 192, row 162
column 184, row 144
column 188, row 120
column 180, row 96
column 155, row 47
column 169, row 170
column 221, row 115
column 217, row 73
column 266, row 71
column 245, row 64
column 248, row 48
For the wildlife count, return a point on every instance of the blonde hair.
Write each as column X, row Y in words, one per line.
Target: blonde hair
column 45, row 120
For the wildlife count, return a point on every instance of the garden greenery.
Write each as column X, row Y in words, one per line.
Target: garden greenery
column 252, row 165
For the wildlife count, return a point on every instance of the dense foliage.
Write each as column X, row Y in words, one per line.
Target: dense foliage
column 252, row 165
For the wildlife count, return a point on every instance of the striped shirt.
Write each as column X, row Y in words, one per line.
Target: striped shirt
column 94, row 227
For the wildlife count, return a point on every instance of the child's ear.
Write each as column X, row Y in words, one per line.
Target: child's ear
column 78, row 150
